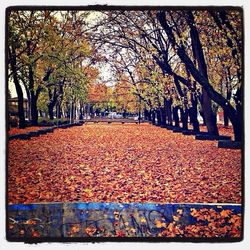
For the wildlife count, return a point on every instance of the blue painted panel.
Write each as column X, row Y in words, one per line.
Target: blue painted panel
column 115, row 219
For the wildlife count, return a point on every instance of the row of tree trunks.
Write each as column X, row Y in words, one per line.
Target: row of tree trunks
column 200, row 60
column 32, row 93
column 147, row 115
column 163, row 117
column 54, row 108
column 167, row 114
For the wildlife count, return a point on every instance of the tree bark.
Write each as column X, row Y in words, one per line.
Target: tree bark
column 193, row 113
column 34, row 111
column 21, row 117
column 225, row 118
column 29, row 101
column 153, row 116
column 176, row 116
column 169, row 112
column 158, row 114
column 237, row 122
column 184, row 118
column 33, row 94
column 150, row 115
column 163, row 116
column 228, row 96
column 51, row 112
column 52, row 102
column 59, row 111
column 146, row 115
column 234, row 116
column 209, row 115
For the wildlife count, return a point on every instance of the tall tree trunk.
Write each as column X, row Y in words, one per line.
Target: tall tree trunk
column 158, row 114
column 209, row 115
column 169, row 112
column 184, row 118
column 150, row 115
column 33, row 98
column 60, row 98
column 72, row 111
column 51, row 111
column 228, row 96
column 90, row 110
column 238, row 118
column 237, row 128
column 34, row 111
column 164, row 113
column 33, row 93
column 21, row 116
column 68, row 108
column 52, row 102
column 153, row 117
column 163, row 117
column 145, row 112
column 176, row 116
column 59, row 110
column 183, row 115
column 225, row 119
column 29, row 101
column 193, row 115
column 139, row 115
column 81, row 113
column 146, row 115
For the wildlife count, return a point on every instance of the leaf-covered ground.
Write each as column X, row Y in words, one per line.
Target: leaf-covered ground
column 121, row 163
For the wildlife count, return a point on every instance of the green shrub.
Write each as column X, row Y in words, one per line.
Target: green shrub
column 43, row 121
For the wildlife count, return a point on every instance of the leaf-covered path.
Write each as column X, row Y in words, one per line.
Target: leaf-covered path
column 122, row 163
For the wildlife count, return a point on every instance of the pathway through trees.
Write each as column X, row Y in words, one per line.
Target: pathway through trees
column 122, row 163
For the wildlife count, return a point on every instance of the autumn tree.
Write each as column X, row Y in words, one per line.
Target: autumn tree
column 199, row 72
column 171, row 38
column 139, row 38
column 32, row 29
column 50, row 54
column 170, row 57
column 124, row 97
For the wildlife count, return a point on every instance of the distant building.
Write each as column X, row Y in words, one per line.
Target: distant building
column 13, row 106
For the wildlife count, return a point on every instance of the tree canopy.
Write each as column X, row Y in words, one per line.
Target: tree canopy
column 171, row 60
